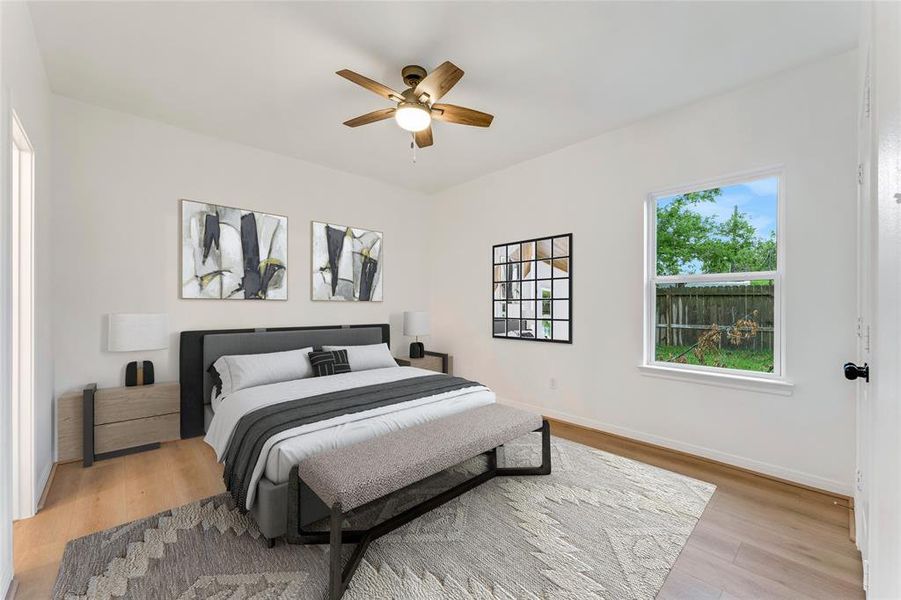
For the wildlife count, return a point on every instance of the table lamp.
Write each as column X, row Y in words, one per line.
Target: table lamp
column 416, row 323
column 130, row 332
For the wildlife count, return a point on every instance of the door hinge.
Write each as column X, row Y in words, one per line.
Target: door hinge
column 863, row 333
column 859, row 173
column 866, row 99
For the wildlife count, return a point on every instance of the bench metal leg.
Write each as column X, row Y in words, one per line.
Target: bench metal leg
column 335, row 582
column 545, row 467
column 298, row 535
column 337, row 537
column 339, row 578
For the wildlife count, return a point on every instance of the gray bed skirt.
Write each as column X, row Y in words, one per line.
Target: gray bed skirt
column 270, row 508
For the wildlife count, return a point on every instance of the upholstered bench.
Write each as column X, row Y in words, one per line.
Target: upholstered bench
column 350, row 477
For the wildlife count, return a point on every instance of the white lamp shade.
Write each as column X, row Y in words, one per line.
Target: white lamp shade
column 129, row 332
column 416, row 323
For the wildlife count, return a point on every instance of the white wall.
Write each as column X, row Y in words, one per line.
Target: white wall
column 24, row 87
column 804, row 120
column 117, row 180
column 117, row 184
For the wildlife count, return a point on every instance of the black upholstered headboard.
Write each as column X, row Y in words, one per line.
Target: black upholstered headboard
column 195, row 358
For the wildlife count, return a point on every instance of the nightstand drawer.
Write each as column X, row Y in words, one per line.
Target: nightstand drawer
column 432, row 363
column 137, row 432
column 127, row 403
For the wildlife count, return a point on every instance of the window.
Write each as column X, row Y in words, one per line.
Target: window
column 532, row 289
column 714, row 278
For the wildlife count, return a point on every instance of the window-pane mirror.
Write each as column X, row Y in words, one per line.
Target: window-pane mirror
column 535, row 278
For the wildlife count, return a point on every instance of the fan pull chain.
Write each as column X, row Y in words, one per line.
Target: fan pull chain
column 413, row 146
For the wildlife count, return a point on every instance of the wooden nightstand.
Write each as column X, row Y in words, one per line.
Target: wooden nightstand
column 128, row 419
column 433, row 361
column 102, row 423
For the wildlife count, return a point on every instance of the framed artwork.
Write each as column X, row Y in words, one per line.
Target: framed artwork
column 347, row 263
column 532, row 289
column 233, row 254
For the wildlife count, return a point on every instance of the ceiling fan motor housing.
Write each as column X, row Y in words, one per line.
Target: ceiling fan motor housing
column 413, row 74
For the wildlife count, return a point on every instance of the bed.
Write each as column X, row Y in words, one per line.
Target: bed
column 267, row 473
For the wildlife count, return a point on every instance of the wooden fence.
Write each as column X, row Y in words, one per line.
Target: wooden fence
column 683, row 313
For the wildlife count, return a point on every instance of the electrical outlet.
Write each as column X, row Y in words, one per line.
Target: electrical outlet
column 859, row 480
column 553, row 383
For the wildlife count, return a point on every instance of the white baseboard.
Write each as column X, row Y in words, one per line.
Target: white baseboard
column 40, row 485
column 7, row 584
column 815, row 481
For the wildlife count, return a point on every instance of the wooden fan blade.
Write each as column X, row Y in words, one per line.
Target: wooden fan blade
column 450, row 113
column 438, row 82
column 373, row 86
column 376, row 115
column 424, row 137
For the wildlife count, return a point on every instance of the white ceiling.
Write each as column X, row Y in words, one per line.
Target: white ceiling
column 554, row 73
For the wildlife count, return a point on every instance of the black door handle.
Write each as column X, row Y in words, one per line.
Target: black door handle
column 852, row 371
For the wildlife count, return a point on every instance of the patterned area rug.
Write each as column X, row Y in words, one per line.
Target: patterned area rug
column 601, row 526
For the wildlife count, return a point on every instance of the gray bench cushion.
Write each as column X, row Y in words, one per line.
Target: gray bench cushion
column 360, row 473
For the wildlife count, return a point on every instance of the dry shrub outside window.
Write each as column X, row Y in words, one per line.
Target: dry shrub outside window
column 710, row 342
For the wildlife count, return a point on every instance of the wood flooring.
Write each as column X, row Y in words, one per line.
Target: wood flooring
column 758, row 538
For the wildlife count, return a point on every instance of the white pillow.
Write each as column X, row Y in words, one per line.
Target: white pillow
column 215, row 400
column 248, row 370
column 364, row 358
column 221, row 366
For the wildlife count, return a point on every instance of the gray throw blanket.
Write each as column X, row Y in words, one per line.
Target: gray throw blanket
column 255, row 428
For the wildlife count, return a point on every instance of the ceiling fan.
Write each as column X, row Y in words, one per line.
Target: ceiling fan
column 418, row 104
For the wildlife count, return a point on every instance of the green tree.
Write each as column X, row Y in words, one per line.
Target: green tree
column 731, row 247
column 765, row 253
column 690, row 243
column 682, row 233
column 735, row 248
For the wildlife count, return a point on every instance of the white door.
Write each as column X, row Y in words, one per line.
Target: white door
column 878, row 497
column 865, row 250
column 22, row 305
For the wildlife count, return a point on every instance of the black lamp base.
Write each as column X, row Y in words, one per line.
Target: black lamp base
column 139, row 374
column 417, row 350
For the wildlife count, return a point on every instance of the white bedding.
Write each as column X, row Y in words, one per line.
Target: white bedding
column 215, row 399
column 288, row 448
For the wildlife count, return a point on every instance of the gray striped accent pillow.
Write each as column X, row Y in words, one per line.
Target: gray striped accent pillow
column 329, row 362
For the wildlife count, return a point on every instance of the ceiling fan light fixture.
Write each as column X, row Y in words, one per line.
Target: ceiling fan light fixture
column 412, row 116
column 417, row 106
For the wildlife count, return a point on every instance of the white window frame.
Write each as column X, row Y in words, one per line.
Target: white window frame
column 773, row 382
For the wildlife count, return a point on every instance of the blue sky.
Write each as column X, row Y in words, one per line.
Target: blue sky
column 757, row 199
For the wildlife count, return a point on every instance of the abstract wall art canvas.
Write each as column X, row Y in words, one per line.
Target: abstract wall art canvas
column 234, row 254
column 347, row 263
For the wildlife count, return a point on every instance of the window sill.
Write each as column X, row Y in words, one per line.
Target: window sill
column 779, row 387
